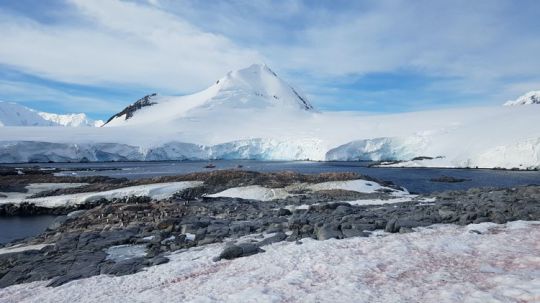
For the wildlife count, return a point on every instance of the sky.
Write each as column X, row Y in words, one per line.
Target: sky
column 377, row 56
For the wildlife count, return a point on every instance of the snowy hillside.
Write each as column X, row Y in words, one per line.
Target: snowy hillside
column 13, row 114
column 252, row 114
column 254, row 88
column 71, row 120
column 527, row 99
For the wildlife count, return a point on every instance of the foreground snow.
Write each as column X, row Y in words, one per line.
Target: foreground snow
column 256, row 192
column 436, row 264
column 156, row 191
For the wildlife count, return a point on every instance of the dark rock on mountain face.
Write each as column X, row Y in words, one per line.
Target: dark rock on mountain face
column 129, row 110
column 305, row 104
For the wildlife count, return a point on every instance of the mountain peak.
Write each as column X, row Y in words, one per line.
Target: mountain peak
column 250, row 91
column 532, row 97
column 260, row 83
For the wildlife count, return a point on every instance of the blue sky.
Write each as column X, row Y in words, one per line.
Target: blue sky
column 377, row 56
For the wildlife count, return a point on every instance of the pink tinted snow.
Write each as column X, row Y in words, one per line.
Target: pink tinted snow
column 436, row 264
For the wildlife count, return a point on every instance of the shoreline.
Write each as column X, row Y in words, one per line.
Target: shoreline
column 374, row 164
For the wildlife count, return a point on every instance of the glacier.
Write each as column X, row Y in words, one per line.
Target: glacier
column 253, row 114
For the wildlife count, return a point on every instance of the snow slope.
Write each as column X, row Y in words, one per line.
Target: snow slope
column 529, row 98
column 71, row 120
column 443, row 264
column 252, row 114
column 13, row 114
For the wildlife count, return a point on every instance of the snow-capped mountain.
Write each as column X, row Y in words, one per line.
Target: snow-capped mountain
column 252, row 89
column 13, row 114
column 529, row 98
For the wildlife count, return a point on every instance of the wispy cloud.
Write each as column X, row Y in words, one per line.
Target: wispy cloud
column 466, row 51
column 481, row 42
column 120, row 43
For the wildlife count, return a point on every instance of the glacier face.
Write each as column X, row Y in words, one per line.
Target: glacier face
column 253, row 149
column 267, row 149
column 35, row 151
column 376, row 149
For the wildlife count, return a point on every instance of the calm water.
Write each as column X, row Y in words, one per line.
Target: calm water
column 13, row 228
column 415, row 180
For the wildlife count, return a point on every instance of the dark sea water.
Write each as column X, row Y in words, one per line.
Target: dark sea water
column 14, row 228
column 416, row 180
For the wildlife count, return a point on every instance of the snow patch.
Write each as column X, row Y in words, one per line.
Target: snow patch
column 254, row 192
column 35, row 188
column 158, row 191
column 125, row 252
column 20, row 248
column 257, row 192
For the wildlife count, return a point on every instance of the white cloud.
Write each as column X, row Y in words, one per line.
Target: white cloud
column 120, row 43
column 485, row 47
column 479, row 42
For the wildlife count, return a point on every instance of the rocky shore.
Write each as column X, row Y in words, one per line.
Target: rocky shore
column 79, row 244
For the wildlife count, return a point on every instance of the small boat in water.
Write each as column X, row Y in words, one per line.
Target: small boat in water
column 210, row 165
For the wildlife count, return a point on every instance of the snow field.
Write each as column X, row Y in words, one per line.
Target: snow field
column 441, row 263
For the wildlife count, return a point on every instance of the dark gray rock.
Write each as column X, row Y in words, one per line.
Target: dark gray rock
column 391, row 226
column 231, row 252
column 61, row 280
column 240, row 250
column 284, row 212
column 353, row 232
column 124, row 267
column 329, row 231
column 159, row 260
column 278, row 237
